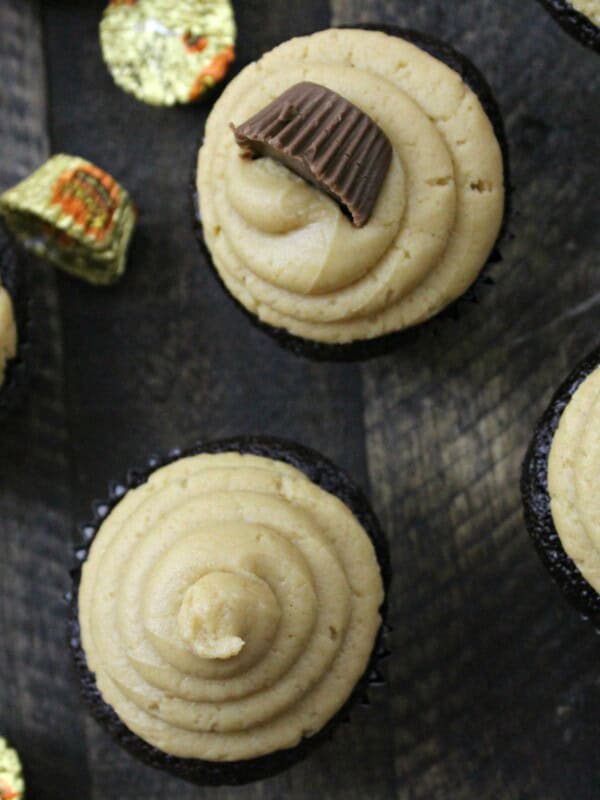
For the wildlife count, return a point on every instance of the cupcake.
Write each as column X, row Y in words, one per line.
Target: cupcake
column 560, row 487
column 580, row 18
column 13, row 324
column 228, row 608
column 328, row 246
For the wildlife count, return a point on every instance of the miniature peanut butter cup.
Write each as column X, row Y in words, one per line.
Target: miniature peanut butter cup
column 165, row 53
column 12, row 785
column 325, row 139
column 74, row 215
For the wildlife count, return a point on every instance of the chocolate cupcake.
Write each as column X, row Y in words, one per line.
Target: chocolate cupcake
column 228, row 608
column 325, row 278
column 560, row 487
column 14, row 319
column 579, row 18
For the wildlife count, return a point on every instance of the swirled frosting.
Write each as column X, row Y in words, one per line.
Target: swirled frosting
column 573, row 470
column 288, row 253
column 8, row 332
column 228, row 607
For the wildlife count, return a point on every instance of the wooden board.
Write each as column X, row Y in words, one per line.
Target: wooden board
column 493, row 689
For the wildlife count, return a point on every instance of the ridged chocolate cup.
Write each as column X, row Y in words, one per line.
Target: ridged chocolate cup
column 536, row 498
column 574, row 23
column 336, row 146
column 14, row 279
column 208, row 773
column 364, row 349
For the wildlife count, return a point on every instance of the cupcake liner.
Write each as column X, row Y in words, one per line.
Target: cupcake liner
column 207, row 773
column 14, row 279
column 574, row 23
column 536, row 498
column 364, row 349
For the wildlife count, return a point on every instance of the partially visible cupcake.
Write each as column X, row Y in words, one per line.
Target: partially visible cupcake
column 8, row 333
column 13, row 325
column 228, row 608
column 579, row 18
column 298, row 257
column 561, row 487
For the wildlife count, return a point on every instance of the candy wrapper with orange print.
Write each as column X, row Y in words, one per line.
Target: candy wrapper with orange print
column 75, row 215
column 12, row 786
column 164, row 52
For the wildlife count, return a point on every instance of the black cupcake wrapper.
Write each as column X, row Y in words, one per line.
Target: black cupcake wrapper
column 206, row 773
column 14, row 279
column 574, row 23
column 536, row 498
column 364, row 349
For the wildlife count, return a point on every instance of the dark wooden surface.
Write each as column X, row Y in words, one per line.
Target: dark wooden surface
column 493, row 687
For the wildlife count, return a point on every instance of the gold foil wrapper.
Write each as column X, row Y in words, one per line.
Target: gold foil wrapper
column 75, row 215
column 12, row 785
column 168, row 51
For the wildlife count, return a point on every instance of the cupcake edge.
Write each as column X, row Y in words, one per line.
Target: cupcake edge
column 365, row 349
column 574, row 22
column 208, row 773
column 14, row 279
column 536, row 497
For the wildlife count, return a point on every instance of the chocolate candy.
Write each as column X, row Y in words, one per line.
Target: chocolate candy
column 326, row 140
column 12, row 786
column 75, row 215
column 168, row 52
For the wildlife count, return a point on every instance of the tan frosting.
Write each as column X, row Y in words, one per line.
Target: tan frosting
column 589, row 8
column 288, row 253
column 228, row 607
column 8, row 332
column 573, row 470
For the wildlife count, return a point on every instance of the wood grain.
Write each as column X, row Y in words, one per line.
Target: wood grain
column 39, row 711
column 166, row 357
column 494, row 667
column 493, row 690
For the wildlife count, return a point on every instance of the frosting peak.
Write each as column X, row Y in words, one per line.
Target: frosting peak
column 222, row 610
column 208, row 600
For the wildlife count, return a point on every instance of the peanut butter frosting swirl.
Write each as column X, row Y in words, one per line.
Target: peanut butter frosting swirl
column 8, row 332
column 289, row 254
column 573, row 470
column 228, row 607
